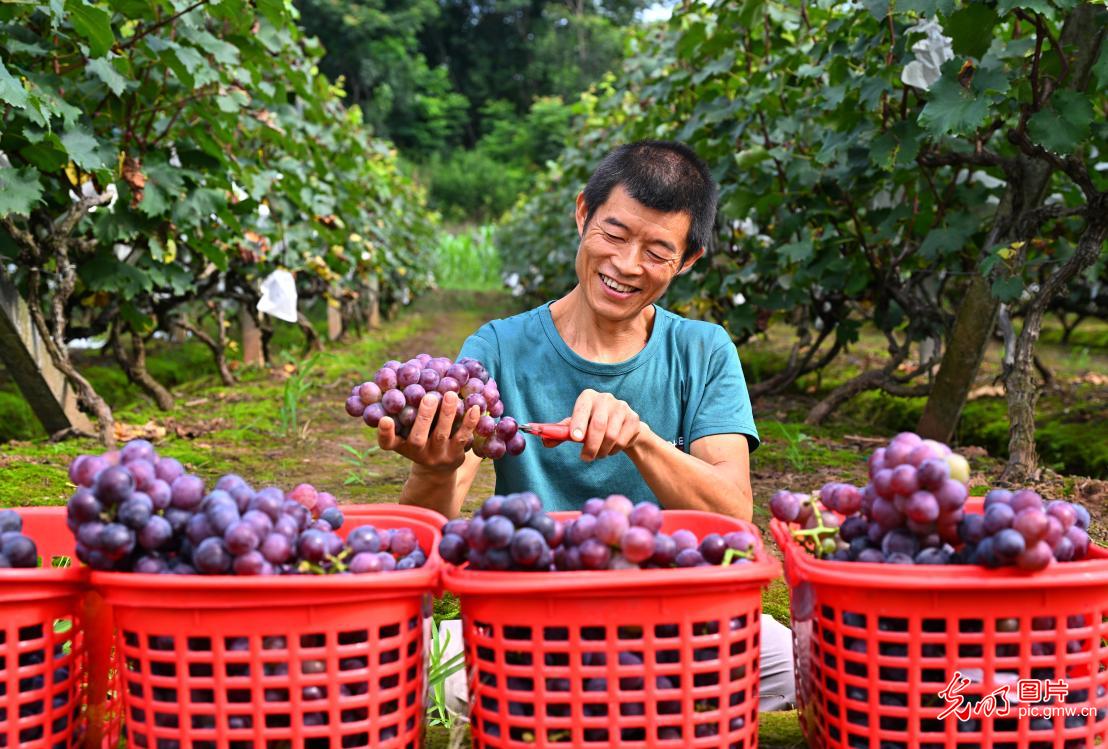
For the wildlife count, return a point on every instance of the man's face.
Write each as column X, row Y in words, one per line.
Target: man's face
column 629, row 254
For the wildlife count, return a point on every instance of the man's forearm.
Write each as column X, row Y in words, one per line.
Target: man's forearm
column 683, row 481
column 430, row 488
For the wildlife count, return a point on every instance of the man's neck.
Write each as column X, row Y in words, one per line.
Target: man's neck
column 595, row 338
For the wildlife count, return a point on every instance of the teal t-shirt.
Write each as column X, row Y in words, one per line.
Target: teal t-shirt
column 686, row 383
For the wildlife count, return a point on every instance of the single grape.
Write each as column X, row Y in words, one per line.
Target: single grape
column 116, row 540
column 997, row 496
column 82, row 507
column 646, row 515
column 904, row 481
column 1036, row 557
column 486, row 426
column 959, row 467
column 932, row 473
column 594, row 555
column 312, row 545
column 366, row 562
column 408, row 374
column 114, row 485
column 516, row 445
column 276, row 548
column 922, row 507
column 592, row 506
column 665, row 550
column 506, row 428
column 249, row 563
column 354, row 406
column 610, row 527
column 527, row 546
column 393, row 401
column 369, row 393
column 1008, row 544
column 712, row 548
column 496, row 410
column 373, row 414
column 689, row 558
column 1025, row 499
column 582, row 529
column 453, row 548
column 637, row 544
column 685, row 539
column 498, row 532
column 784, row 506
column 135, row 511
column 139, row 449
column 187, row 492
column 998, row 517
column 448, row 385
column 155, row 534
column 495, row 448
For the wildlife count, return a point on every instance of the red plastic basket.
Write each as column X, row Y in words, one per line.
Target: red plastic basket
column 300, row 661
column 361, row 511
column 876, row 648
column 634, row 658
column 55, row 648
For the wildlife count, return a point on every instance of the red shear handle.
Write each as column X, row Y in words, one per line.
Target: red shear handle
column 551, row 434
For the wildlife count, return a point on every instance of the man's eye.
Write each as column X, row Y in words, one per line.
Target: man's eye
column 658, row 258
column 613, row 237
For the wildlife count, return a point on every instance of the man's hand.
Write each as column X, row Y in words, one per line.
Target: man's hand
column 604, row 424
column 434, row 449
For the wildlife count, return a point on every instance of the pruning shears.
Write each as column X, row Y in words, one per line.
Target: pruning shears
column 552, row 434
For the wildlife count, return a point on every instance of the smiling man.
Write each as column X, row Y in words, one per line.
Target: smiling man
column 657, row 404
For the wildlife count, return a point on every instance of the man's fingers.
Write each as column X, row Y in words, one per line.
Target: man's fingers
column 609, row 442
column 417, row 438
column 386, row 434
column 447, row 410
column 465, row 429
column 582, row 412
column 594, row 434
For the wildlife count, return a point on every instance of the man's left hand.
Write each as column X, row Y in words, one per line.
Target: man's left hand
column 603, row 424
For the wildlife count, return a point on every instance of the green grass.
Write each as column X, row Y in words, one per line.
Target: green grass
column 468, row 260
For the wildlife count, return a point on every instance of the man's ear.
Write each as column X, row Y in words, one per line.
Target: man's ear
column 582, row 213
column 688, row 264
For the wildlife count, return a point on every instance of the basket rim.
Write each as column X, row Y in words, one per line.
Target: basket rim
column 961, row 577
column 461, row 579
column 157, row 583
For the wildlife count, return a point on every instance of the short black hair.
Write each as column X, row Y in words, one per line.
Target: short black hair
column 664, row 176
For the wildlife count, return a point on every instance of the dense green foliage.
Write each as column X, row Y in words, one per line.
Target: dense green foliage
column 472, row 92
column 228, row 153
column 847, row 195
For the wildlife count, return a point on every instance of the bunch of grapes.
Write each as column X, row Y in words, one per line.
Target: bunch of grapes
column 398, row 389
column 134, row 511
column 16, row 550
column 1018, row 528
column 912, row 512
column 514, row 533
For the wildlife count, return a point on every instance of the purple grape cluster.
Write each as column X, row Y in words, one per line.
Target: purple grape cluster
column 134, row 511
column 398, row 389
column 1019, row 529
column 514, row 533
column 16, row 550
column 912, row 512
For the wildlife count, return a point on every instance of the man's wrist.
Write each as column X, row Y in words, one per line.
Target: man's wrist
column 436, row 474
column 643, row 442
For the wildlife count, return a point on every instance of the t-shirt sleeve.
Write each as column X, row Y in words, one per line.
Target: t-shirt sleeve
column 725, row 405
column 483, row 347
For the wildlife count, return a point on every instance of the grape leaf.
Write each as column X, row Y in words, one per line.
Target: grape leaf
column 92, row 23
column 104, row 70
column 1064, row 124
column 1100, row 68
column 20, row 189
column 952, row 108
column 11, row 89
column 1007, row 289
column 971, row 29
column 83, row 149
column 1039, row 6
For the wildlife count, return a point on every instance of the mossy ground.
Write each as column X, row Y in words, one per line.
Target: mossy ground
column 215, row 429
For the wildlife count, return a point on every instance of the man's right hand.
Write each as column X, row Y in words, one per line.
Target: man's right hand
column 435, row 449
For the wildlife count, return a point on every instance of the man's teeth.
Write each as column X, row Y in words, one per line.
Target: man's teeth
column 617, row 286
